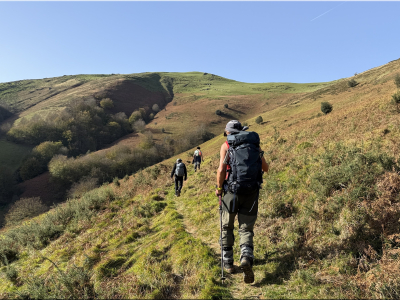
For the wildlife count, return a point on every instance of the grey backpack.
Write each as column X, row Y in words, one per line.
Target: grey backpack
column 180, row 169
column 245, row 173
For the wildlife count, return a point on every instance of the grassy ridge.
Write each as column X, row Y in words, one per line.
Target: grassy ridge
column 122, row 241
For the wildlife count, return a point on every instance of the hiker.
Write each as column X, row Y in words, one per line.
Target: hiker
column 197, row 158
column 239, row 179
column 180, row 173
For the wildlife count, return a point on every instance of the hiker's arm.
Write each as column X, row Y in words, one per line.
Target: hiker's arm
column 265, row 166
column 221, row 172
column 173, row 171
column 185, row 174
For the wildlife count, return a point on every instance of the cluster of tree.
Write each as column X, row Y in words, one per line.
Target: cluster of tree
column 36, row 163
column 81, row 127
column 121, row 160
column 144, row 114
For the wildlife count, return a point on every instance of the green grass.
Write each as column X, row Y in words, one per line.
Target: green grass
column 11, row 155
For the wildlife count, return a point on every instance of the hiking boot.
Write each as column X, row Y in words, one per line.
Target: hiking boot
column 178, row 193
column 246, row 266
column 230, row 268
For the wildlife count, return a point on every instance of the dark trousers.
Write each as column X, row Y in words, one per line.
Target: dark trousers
column 178, row 183
column 246, row 208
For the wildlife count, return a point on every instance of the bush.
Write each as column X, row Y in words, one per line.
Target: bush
column 139, row 126
column 107, row 103
column 396, row 100
column 135, row 116
column 226, row 106
column 352, row 82
column 156, row 108
column 397, row 80
column 151, row 116
column 24, row 208
column 218, row 112
column 163, row 130
column 259, row 120
column 84, row 185
column 326, row 107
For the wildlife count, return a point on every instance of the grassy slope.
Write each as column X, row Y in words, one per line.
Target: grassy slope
column 12, row 154
column 321, row 213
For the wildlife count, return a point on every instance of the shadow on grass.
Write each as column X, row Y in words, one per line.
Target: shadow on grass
column 237, row 111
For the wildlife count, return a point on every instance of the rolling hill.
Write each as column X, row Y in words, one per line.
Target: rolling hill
column 329, row 209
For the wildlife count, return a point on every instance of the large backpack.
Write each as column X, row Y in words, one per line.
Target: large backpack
column 245, row 173
column 180, row 169
column 197, row 153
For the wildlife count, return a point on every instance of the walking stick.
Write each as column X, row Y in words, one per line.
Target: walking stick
column 220, row 221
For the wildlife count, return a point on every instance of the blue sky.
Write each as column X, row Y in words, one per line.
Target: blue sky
column 244, row 41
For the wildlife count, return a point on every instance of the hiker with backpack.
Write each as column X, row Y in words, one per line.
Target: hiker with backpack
column 180, row 173
column 239, row 179
column 197, row 158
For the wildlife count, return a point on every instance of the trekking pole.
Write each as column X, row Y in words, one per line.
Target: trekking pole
column 220, row 221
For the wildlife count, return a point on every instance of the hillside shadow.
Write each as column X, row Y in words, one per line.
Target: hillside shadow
column 228, row 116
column 237, row 111
column 4, row 113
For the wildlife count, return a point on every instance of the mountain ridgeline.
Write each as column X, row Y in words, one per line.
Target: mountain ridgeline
column 329, row 208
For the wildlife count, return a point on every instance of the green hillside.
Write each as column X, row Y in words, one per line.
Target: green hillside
column 328, row 223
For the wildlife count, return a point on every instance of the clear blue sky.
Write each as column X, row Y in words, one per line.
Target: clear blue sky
column 244, row 41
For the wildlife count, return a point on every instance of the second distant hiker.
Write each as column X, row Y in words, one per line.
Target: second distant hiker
column 180, row 173
column 197, row 158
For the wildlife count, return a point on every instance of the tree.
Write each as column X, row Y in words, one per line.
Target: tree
column 226, row 105
column 106, row 103
column 218, row 112
column 156, row 108
column 135, row 116
column 151, row 116
column 259, row 120
column 326, row 107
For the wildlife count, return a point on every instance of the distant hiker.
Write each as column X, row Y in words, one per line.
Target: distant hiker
column 239, row 178
column 197, row 158
column 180, row 173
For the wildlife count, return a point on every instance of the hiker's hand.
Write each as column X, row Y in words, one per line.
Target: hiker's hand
column 218, row 192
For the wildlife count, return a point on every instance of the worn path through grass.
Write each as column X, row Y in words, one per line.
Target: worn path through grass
column 234, row 282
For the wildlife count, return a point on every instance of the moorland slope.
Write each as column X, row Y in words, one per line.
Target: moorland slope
column 328, row 223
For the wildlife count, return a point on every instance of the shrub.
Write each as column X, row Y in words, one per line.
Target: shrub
column 116, row 181
column 226, row 105
column 397, row 80
column 139, row 126
column 135, row 116
column 352, row 82
column 396, row 100
column 156, row 108
column 151, row 116
column 218, row 112
column 326, row 107
column 107, row 103
column 84, row 185
column 23, row 209
column 163, row 130
column 259, row 120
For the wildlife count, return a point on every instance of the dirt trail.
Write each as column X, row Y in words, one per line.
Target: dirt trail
column 238, row 289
